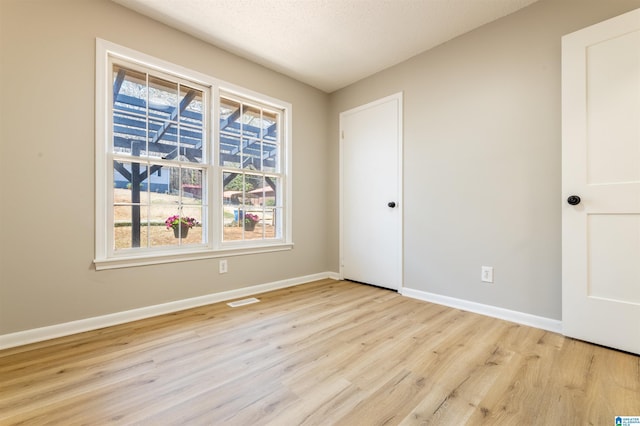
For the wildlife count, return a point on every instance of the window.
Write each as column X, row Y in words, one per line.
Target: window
column 159, row 159
column 251, row 173
column 186, row 166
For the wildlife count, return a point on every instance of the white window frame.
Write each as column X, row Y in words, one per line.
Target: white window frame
column 279, row 173
column 105, row 256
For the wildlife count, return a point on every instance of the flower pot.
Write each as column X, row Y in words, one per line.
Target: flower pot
column 249, row 226
column 182, row 231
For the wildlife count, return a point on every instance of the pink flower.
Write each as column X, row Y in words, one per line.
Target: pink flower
column 175, row 220
column 248, row 218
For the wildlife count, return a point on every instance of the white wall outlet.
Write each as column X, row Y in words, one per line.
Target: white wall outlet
column 486, row 274
column 222, row 266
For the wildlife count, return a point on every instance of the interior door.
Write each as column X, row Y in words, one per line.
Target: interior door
column 370, row 196
column 601, row 183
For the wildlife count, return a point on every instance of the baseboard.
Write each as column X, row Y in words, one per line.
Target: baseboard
column 488, row 310
column 65, row 329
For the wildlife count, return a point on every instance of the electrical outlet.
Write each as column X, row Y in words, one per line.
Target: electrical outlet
column 222, row 266
column 486, row 274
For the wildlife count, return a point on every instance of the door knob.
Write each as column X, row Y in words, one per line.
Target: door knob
column 392, row 204
column 574, row 200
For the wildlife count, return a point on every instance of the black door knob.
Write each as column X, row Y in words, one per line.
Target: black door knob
column 392, row 204
column 574, row 200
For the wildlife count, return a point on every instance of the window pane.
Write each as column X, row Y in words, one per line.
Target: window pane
column 269, row 157
column 270, row 126
column 229, row 113
column 130, row 205
column 251, row 122
column 233, row 205
column 191, row 125
column 121, row 184
column 122, row 216
column 163, row 113
column 253, row 186
column 272, row 203
column 191, row 186
column 273, row 222
column 271, row 192
column 130, row 91
column 128, row 140
column 163, row 206
column 163, row 139
column 191, row 145
column 253, row 225
column 163, row 98
column 229, row 150
column 232, row 196
column 173, row 181
column 159, row 234
column 191, row 107
column 258, row 195
column 251, row 152
column 232, row 232
column 250, row 207
column 195, row 233
column 231, row 226
column 235, row 187
column 159, row 179
column 126, row 233
column 127, row 137
column 125, row 175
column 129, row 111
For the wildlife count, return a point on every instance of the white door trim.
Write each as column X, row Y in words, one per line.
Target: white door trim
column 400, row 201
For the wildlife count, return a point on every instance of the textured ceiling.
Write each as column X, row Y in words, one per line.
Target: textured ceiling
column 327, row 44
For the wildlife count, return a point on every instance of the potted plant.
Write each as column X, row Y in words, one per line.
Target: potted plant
column 250, row 221
column 180, row 225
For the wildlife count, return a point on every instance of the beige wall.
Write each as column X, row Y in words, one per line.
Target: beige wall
column 47, row 167
column 482, row 175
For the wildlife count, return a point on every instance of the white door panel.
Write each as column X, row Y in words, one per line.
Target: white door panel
column 613, row 105
column 601, row 164
column 612, row 276
column 370, row 165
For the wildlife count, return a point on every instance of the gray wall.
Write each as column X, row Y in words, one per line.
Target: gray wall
column 482, row 175
column 47, row 141
column 482, row 162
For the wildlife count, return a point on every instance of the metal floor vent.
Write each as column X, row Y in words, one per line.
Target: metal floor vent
column 243, row 302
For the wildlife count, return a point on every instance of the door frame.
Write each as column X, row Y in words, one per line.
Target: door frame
column 398, row 97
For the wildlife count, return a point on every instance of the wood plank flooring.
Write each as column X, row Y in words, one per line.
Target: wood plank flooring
column 323, row 353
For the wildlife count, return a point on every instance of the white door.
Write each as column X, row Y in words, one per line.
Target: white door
column 370, row 193
column 601, row 166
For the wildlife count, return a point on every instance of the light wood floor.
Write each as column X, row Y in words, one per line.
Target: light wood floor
column 321, row 354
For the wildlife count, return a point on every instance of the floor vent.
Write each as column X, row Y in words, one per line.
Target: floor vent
column 243, row 302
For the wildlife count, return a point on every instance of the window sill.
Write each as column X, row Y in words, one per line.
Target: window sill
column 156, row 258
